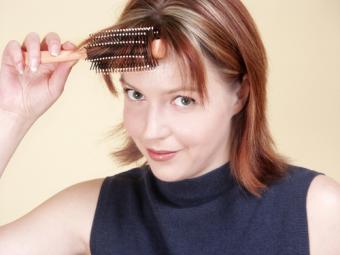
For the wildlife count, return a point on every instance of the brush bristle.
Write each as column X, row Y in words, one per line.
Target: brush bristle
column 122, row 50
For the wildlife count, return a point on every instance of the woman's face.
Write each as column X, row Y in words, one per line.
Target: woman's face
column 157, row 119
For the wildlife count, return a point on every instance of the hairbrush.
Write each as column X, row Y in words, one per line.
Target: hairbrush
column 116, row 50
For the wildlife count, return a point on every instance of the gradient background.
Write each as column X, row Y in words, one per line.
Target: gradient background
column 68, row 143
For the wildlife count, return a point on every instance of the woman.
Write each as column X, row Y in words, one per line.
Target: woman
column 221, row 188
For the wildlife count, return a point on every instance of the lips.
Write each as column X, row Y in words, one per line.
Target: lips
column 161, row 155
column 160, row 151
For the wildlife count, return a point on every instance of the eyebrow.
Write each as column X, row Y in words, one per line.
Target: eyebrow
column 122, row 80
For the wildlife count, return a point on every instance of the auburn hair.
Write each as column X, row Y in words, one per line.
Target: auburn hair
column 225, row 33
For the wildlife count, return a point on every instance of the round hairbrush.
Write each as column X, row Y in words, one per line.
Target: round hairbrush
column 116, row 50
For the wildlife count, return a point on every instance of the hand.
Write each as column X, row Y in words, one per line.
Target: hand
column 26, row 92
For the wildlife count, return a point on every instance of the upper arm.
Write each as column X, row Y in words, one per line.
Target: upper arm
column 323, row 213
column 60, row 225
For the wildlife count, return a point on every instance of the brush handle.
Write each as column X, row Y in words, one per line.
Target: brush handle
column 65, row 55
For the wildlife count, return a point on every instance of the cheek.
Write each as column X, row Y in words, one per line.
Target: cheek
column 132, row 119
column 208, row 128
column 194, row 129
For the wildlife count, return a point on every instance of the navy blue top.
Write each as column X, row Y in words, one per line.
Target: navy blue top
column 137, row 213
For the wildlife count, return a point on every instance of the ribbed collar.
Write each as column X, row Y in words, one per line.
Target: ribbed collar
column 194, row 191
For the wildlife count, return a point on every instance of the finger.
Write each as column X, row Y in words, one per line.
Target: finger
column 60, row 75
column 68, row 46
column 32, row 44
column 13, row 56
column 63, row 70
column 51, row 43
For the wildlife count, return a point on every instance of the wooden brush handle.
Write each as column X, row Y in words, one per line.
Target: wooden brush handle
column 65, row 55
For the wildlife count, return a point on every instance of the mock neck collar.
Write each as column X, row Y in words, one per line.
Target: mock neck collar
column 193, row 191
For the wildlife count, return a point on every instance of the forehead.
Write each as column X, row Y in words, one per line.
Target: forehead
column 169, row 77
column 165, row 76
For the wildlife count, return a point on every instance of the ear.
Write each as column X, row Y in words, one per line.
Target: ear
column 242, row 94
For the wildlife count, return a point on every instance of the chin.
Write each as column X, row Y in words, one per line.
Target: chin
column 166, row 174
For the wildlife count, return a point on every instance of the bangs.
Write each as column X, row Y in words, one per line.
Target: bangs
column 190, row 61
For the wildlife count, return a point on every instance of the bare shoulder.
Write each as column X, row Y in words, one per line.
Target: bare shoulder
column 60, row 225
column 86, row 194
column 323, row 210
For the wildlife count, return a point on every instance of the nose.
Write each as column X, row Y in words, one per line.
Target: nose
column 156, row 124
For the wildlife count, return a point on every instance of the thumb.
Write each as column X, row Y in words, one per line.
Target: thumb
column 70, row 46
column 60, row 75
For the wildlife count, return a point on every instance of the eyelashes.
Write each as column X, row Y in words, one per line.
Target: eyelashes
column 126, row 91
column 185, row 99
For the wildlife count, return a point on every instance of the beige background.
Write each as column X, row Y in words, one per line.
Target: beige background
column 67, row 145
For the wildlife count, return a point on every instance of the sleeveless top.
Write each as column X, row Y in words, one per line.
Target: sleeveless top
column 137, row 213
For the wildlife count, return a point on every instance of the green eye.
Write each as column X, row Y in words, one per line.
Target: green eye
column 133, row 94
column 185, row 100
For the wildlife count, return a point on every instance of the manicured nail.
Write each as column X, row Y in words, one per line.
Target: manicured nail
column 34, row 65
column 20, row 68
column 54, row 50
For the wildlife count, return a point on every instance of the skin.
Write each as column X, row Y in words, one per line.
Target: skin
column 62, row 224
column 323, row 210
column 155, row 119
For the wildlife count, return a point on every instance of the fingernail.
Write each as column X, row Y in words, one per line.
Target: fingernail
column 20, row 68
column 34, row 65
column 55, row 50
